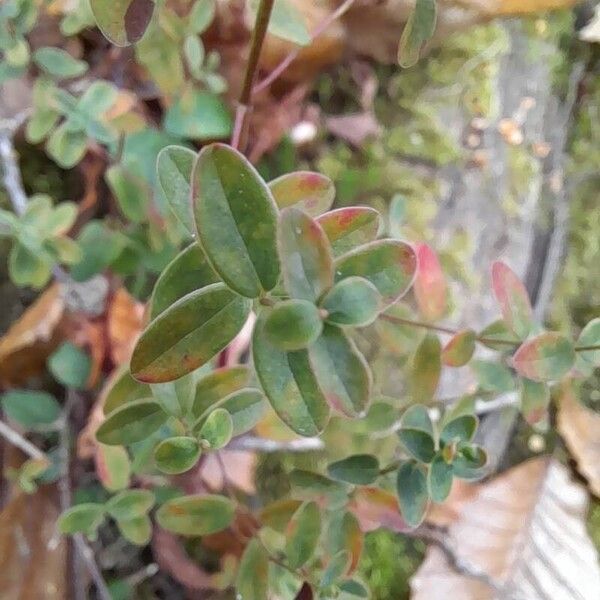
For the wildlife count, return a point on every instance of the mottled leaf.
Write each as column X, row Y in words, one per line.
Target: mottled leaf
column 546, row 357
column 359, row 469
column 535, row 399
column 293, row 324
column 426, row 369
column 343, row 532
column 353, row 301
column 112, row 467
column 123, row 22
column 513, row 298
column 430, row 284
column 350, row 227
column 335, row 568
column 218, row 384
column 217, row 429
column 131, row 423
column 177, row 454
column 460, row 348
column 303, row 534
column 311, row 192
column 411, row 484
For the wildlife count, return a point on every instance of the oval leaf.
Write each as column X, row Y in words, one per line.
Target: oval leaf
column 353, row 301
column 462, row 428
column 535, row 398
column 390, row 265
column 215, row 386
column 123, row 22
column 112, row 467
column 305, row 255
column 196, row 515
column 417, row 417
column 311, row 192
column 460, row 349
column 217, row 429
column 590, row 336
column 439, row 479
column 426, row 368
column 246, row 408
column 236, row 219
column 430, row 284
column 84, row 518
column 513, row 298
column 418, row 29
column 418, row 443
column 411, row 485
column 303, row 534
column 130, row 504
column 131, row 423
column 546, row 357
column 350, row 227
column 122, row 389
column 342, row 372
column 253, row 574
column 360, row 469
column 289, row 384
column 293, row 324
column 138, row 530
column 177, row 454
column 189, row 334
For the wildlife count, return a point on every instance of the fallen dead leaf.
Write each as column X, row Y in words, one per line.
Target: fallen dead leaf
column 124, row 322
column 526, row 532
column 375, row 508
column 239, row 469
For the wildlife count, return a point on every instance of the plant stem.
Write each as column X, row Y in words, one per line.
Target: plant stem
column 258, row 36
column 17, row 440
column 391, row 467
column 587, row 348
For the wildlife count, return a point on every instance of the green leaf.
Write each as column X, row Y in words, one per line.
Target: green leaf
column 546, row 357
column 535, row 398
column 123, row 22
column 98, row 98
column 59, row 63
column 305, row 255
column 253, row 574
column 311, row 192
column 417, row 417
column 131, row 423
column 352, row 589
column 66, row 147
column 513, row 298
column 461, row 428
column 426, row 368
column 343, row 532
column 293, row 325
column 187, row 272
column 303, row 534
column 418, row 443
column 335, row 569
column 246, row 407
column 496, row 331
column 418, row 29
column 27, row 268
column 132, row 194
column 288, row 23
column 217, row 385
column 348, row 228
column 439, row 479
column 113, row 467
column 177, row 454
column 70, row 366
column 470, row 463
column 217, row 429
column 236, row 218
column 412, row 491
column 290, row 384
column 137, row 530
column 174, row 166
column 359, row 469
column 342, row 372
column 188, row 334
column 199, row 115
column 590, row 336
column 31, row 409
column 196, row 515
column 201, row 16
column 460, row 349
column 353, row 301
column 130, row 504
column 492, row 376
column 123, row 389
column 81, row 518
column 390, row 265
column 309, row 486
column 176, row 397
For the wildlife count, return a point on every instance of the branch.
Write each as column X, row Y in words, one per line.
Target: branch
column 258, row 444
column 17, row 440
column 11, row 173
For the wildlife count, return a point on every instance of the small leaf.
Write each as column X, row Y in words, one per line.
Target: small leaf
column 461, row 428
column 342, row 372
column 81, row 518
column 359, row 469
column 303, row 534
column 418, row 29
column 31, row 409
column 439, row 479
column 418, row 443
column 535, row 398
column 188, row 334
column 430, row 284
column 590, row 336
column 70, row 365
column 112, row 467
column 174, row 166
column 390, row 265
column 201, row 16
column 177, row 454
column 417, row 417
column 460, row 349
column 305, row 255
column 343, row 532
column 411, row 485
column 293, row 325
column 59, row 63
column 123, row 22
column 288, row 23
column 353, row 301
column 546, row 357
column 492, row 376
column 309, row 486
column 353, row 589
column 122, row 389
column 196, row 515
column 176, row 397
column 289, row 384
column 130, row 504
column 131, row 192
column 217, row 429
column 246, row 407
column 215, row 386
column 350, row 227
column 469, row 463
column 426, row 368
column 513, row 298
column 236, row 219
column 311, row 192
column 131, row 423
column 253, row 574
column 138, row 530
column 335, row 569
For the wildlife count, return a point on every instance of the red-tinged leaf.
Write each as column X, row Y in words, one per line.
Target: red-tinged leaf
column 375, row 508
column 123, row 22
column 546, row 357
column 112, row 467
column 426, row 368
column 350, row 227
column 311, row 192
column 343, row 532
column 535, row 398
column 459, row 350
column 430, row 284
column 513, row 299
